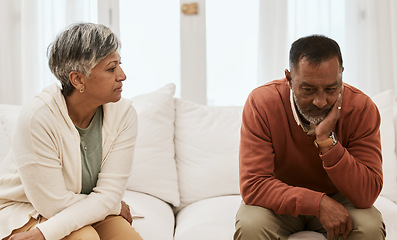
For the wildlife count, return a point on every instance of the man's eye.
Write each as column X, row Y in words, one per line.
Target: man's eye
column 330, row 90
column 308, row 90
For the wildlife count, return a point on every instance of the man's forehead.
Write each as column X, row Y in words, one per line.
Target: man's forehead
column 318, row 83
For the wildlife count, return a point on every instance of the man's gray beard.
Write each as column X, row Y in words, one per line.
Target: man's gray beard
column 310, row 119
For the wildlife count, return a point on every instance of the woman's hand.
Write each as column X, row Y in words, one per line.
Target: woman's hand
column 125, row 212
column 33, row 234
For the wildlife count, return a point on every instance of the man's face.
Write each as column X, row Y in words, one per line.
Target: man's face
column 315, row 87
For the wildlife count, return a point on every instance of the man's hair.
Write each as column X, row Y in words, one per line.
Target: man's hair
column 315, row 49
column 80, row 48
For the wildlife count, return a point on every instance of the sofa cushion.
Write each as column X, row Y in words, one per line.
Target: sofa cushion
column 158, row 221
column 4, row 144
column 211, row 218
column 153, row 168
column 385, row 101
column 8, row 121
column 207, row 144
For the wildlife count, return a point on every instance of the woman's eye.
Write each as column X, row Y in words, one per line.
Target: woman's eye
column 112, row 69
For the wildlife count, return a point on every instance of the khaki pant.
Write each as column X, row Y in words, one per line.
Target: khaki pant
column 254, row 222
column 112, row 227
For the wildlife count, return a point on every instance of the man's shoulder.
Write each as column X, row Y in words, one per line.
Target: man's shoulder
column 271, row 89
column 275, row 84
column 353, row 95
column 356, row 101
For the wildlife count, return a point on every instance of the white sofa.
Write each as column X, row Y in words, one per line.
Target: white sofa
column 184, row 182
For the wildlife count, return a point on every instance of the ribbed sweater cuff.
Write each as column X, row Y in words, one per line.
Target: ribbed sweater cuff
column 333, row 156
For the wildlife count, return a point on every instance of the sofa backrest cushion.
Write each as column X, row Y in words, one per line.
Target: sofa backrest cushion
column 207, row 144
column 385, row 102
column 8, row 121
column 154, row 168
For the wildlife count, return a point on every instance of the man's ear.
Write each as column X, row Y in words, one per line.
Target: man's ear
column 288, row 77
column 75, row 79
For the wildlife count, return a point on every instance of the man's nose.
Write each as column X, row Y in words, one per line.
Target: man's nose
column 320, row 100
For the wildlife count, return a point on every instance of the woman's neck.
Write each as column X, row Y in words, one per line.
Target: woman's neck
column 80, row 110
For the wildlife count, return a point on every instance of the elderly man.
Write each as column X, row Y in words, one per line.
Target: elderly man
column 310, row 152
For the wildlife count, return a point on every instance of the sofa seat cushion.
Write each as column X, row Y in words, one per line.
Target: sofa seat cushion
column 211, row 219
column 153, row 218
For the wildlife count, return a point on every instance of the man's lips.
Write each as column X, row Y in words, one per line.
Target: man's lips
column 317, row 112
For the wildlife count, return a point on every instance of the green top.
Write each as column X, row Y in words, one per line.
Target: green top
column 91, row 152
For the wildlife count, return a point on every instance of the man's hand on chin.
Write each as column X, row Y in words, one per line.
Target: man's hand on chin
column 325, row 127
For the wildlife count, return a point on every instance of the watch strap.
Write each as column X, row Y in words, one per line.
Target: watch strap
column 331, row 141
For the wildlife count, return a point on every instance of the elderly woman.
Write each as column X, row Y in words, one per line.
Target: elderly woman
column 72, row 152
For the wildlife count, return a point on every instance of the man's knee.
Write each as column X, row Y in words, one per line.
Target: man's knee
column 368, row 233
column 249, row 229
column 253, row 222
column 368, row 224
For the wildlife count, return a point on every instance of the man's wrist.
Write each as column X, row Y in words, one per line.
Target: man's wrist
column 327, row 143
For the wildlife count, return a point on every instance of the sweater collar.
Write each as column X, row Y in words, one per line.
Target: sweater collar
column 307, row 128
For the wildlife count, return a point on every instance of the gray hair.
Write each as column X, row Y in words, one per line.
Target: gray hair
column 80, row 48
column 315, row 48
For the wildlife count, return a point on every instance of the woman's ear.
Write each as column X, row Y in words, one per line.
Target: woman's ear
column 75, row 79
column 288, row 77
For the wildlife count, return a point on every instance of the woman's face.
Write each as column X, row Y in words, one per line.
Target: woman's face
column 106, row 81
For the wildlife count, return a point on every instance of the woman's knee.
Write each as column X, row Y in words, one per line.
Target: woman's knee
column 116, row 227
column 86, row 233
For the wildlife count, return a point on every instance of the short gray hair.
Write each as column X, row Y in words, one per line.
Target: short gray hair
column 80, row 48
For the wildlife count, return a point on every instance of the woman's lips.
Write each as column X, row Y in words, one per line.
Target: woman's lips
column 120, row 89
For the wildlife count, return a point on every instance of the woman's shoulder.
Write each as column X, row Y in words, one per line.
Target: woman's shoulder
column 45, row 107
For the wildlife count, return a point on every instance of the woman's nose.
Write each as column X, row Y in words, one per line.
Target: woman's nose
column 121, row 75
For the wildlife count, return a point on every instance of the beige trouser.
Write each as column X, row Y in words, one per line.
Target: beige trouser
column 112, row 227
column 254, row 222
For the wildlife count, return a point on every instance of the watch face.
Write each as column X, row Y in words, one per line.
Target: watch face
column 333, row 138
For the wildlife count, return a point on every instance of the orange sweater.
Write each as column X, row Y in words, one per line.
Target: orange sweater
column 281, row 169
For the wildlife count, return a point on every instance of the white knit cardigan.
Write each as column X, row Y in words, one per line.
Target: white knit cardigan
column 45, row 163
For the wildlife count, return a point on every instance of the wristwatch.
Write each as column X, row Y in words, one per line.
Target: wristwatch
column 331, row 141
